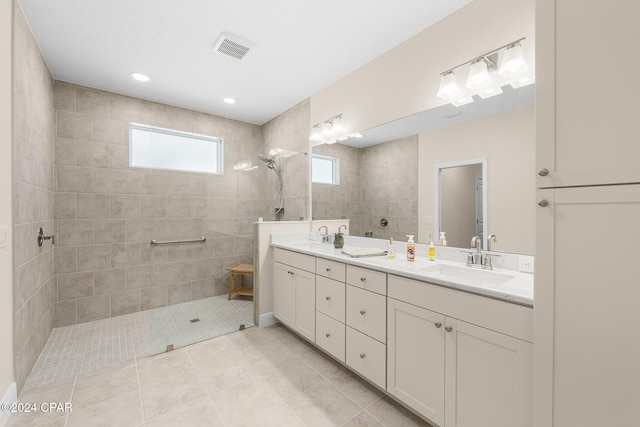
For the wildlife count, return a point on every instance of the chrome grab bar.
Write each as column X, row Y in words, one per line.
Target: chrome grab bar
column 164, row 242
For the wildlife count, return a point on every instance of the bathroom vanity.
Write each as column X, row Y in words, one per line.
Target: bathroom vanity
column 452, row 343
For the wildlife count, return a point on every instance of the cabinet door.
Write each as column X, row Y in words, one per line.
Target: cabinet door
column 283, row 293
column 415, row 358
column 305, row 303
column 586, row 124
column 489, row 378
column 587, row 319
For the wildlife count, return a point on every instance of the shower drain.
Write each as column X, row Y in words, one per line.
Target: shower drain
column 194, row 320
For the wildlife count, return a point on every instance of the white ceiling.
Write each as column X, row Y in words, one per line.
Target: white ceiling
column 300, row 47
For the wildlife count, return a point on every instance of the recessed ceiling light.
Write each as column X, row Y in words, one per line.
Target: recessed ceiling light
column 230, row 100
column 140, row 77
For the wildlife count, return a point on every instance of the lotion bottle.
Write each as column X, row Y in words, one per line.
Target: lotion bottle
column 411, row 249
column 443, row 239
column 432, row 249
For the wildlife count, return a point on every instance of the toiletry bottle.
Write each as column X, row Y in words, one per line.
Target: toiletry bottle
column 391, row 252
column 411, row 248
column 443, row 239
column 432, row 250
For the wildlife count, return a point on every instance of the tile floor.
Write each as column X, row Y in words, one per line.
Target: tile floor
column 86, row 347
column 256, row 377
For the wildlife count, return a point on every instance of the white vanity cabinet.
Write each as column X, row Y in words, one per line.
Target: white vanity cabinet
column 451, row 358
column 295, row 291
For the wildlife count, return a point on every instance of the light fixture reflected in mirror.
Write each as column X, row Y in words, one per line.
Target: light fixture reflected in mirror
column 329, row 132
column 483, row 79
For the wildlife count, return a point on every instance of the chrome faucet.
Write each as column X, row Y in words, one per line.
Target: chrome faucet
column 340, row 228
column 325, row 236
column 478, row 258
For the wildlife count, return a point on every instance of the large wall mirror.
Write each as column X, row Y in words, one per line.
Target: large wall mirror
column 389, row 174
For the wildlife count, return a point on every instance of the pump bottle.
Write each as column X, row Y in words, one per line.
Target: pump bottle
column 411, row 248
column 391, row 253
column 432, row 249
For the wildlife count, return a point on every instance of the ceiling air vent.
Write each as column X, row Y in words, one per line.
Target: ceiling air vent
column 232, row 46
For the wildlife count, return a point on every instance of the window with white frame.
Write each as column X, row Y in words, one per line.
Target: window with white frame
column 158, row 148
column 325, row 170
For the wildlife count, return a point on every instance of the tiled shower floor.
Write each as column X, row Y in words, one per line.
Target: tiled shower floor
column 90, row 346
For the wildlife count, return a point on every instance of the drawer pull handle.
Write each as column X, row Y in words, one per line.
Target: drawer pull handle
column 362, row 312
column 448, row 328
column 328, row 269
column 327, row 298
column 543, row 172
column 327, row 335
column 543, row 203
column 362, row 355
column 363, row 279
column 438, row 325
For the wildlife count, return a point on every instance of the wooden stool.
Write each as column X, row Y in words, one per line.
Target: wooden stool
column 240, row 270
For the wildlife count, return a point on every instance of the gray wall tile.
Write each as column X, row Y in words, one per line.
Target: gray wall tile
column 94, row 308
column 75, row 285
column 125, row 302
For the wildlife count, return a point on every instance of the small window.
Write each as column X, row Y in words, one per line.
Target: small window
column 325, row 170
column 157, row 148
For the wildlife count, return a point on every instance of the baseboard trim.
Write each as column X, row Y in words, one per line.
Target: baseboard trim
column 267, row 319
column 10, row 396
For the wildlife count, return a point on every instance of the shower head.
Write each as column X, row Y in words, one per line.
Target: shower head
column 267, row 159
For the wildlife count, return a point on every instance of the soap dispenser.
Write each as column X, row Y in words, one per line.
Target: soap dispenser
column 443, row 239
column 432, row 249
column 391, row 252
column 411, row 249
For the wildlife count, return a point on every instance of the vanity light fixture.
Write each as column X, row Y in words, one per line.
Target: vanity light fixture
column 229, row 100
column 329, row 131
column 484, row 78
column 244, row 165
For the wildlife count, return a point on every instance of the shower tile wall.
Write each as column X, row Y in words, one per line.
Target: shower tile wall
column 33, row 199
column 290, row 130
column 107, row 213
column 376, row 182
column 389, row 183
column 337, row 201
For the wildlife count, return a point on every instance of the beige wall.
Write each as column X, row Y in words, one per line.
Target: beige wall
column 7, row 376
column 507, row 140
column 107, row 212
column 33, row 198
column 405, row 80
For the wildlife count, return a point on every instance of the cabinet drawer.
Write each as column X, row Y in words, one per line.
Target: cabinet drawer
column 330, row 336
column 374, row 281
column 367, row 312
column 367, row 357
column 330, row 297
column 331, row 269
column 294, row 259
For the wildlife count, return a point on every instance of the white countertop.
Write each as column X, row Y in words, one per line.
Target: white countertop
column 517, row 287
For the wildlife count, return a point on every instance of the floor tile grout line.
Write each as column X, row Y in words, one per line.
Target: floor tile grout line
column 215, row 408
column 144, row 415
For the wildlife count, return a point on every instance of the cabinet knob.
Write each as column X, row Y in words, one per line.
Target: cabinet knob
column 363, row 279
column 448, row 328
column 362, row 312
column 327, row 298
column 362, row 355
column 438, row 325
column 543, row 203
column 327, row 335
column 328, row 269
column 543, row 172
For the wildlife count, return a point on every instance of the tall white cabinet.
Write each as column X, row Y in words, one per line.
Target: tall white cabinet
column 587, row 320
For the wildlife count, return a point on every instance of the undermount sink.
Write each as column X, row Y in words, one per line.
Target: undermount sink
column 468, row 274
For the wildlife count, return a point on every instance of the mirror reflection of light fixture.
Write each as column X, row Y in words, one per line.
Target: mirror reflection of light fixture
column 244, row 165
column 483, row 79
column 329, row 131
